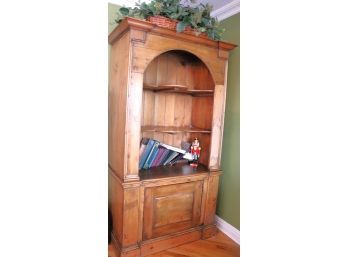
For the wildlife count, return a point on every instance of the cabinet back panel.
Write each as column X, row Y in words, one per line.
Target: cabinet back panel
column 203, row 78
column 158, row 136
column 188, row 108
column 169, row 108
column 202, row 112
column 148, row 134
column 148, row 108
column 160, row 110
column 168, row 138
column 150, row 76
column 179, row 111
column 162, row 69
column 198, row 76
column 166, row 109
column 181, row 72
column 190, row 79
column 178, row 68
column 173, row 68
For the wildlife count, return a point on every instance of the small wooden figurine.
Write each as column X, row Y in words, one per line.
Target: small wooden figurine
column 196, row 152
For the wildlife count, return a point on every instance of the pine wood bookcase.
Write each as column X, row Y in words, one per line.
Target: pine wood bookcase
column 171, row 87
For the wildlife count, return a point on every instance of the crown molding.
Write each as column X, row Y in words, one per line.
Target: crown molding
column 227, row 10
column 128, row 3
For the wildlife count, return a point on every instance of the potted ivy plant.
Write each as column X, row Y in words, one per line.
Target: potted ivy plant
column 174, row 14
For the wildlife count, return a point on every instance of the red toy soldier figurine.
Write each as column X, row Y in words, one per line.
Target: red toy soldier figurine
column 196, row 152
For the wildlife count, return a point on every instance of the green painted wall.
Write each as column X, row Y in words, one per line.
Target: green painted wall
column 229, row 194
column 112, row 9
column 228, row 200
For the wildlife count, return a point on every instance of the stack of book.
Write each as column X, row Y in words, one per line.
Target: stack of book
column 154, row 153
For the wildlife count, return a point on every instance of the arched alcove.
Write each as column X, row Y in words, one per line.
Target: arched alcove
column 178, row 67
column 177, row 104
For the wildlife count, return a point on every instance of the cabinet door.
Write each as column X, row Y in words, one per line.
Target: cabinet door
column 172, row 208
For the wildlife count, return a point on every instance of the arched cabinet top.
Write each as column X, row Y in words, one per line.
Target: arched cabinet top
column 149, row 41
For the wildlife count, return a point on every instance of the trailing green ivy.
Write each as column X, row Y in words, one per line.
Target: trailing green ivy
column 197, row 17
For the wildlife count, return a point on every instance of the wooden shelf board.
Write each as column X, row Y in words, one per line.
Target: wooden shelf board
column 171, row 171
column 173, row 130
column 181, row 89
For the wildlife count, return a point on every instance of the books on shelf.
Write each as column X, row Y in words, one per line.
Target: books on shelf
column 182, row 157
column 143, row 144
column 164, row 157
column 161, row 151
column 154, row 153
column 146, row 152
column 171, row 157
column 151, row 155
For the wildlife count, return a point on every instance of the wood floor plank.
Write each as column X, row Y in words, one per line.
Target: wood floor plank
column 218, row 246
column 203, row 249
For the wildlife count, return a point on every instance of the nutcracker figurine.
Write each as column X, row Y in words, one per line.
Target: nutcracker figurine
column 196, row 152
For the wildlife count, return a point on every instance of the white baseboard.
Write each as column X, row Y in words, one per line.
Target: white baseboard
column 228, row 229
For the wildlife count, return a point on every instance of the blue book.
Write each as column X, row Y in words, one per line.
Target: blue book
column 151, row 155
column 146, row 153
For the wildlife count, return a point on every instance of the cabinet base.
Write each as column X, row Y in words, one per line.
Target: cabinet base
column 152, row 246
column 132, row 251
column 209, row 231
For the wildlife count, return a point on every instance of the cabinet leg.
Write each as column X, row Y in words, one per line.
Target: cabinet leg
column 209, row 231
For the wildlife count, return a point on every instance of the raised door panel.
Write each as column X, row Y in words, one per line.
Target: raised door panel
column 172, row 208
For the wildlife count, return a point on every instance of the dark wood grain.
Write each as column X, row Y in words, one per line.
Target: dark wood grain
column 172, row 171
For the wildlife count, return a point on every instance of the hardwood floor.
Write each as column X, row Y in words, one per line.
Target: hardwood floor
column 217, row 246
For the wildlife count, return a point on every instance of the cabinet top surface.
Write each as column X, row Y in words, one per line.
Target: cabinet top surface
column 136, row 24
column 172, row 171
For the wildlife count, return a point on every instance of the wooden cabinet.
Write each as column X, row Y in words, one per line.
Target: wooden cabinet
column 171, row 87
column 172, row 208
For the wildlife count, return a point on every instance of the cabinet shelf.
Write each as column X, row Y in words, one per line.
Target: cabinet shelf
column 181, row 89
column 171, row 171
column 174, row 130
